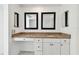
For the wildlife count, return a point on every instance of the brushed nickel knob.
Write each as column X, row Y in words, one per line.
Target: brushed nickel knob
column 51, row 44
column 38, row 40
column 38, row 46
column 64, row 40
column 61, row 44
column 24, row 39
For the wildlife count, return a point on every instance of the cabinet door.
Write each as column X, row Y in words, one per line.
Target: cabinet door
column 51, row 48
column 38, row 52
column 38, row 46
column 65, row 47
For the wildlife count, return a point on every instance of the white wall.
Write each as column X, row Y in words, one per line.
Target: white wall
column 1, row 29
column 72, row 28
column 78, row 32
column 13, row 46
column 39, row 9
column 5, row 28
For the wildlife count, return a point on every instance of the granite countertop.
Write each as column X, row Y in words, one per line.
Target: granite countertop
column 42, row 35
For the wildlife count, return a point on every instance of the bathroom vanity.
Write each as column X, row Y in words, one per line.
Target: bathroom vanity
column 45, row 43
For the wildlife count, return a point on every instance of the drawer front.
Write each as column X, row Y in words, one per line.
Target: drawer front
column 19, row 39
column 28, row 39
column 38, row 46
column 38, row 52
column 51, row 49
column 38, row 40
column 23, row 39
column 48, row 40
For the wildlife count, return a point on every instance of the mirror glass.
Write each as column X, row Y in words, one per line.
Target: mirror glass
column 31, row 21
column 48, row 20
column 16, row 19
column 66, row 18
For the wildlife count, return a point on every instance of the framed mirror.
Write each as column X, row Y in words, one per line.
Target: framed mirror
column 48, row 20
column 16, row 19
column 66, row 18
column 31, row 20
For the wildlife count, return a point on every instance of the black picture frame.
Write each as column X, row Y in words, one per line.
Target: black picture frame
column 32, row 13
column 16, row 19
column 54, row 20
column 66, row 18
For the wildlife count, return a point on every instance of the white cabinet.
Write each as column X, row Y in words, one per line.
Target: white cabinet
column 24, row 44
column 38, row 46
column 46, row 46
column 65, row 47
column 56, row 46
column 51, row 47
column 23, row 39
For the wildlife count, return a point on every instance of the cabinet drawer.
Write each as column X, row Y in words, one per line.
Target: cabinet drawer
column 51, row 49
column 51, row 40
column 38, row 40
column 23, row 39
column 38, row 46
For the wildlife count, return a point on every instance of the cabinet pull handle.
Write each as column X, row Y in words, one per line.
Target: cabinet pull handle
column 64, row 40
column 38, row 46
column 61, row 44
column 51, row 44
column 38, row 40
